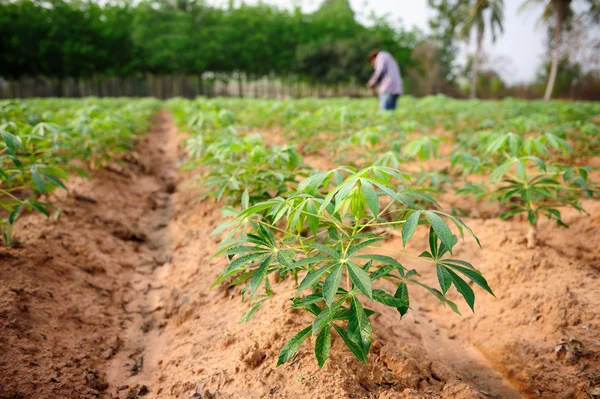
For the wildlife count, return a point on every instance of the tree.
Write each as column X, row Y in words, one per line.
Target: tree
column 476, row 18
column 443, row 26
column 558, row 12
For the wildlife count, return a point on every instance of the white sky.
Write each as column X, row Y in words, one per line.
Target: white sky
column 516, row 55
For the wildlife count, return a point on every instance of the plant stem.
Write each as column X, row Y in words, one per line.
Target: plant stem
column 532, row 236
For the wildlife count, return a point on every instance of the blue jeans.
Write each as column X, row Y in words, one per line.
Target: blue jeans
column 387, row 101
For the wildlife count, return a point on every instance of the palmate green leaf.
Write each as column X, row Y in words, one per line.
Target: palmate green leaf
column 323, row 346
column 498, row 173
column 236, row 266
column 309, row 261
column 291, row 347
column 357, row 247
column 441, row 229
column 472, row 274
column 410, row 227
column 386, row 260
column 370, row 196
column 12, row 217
column 312, row 183
column 353, row 346
column 325, row 249
column 443, row 278
column 259, row 275
column 285, row 258
column 40, row 207
column 360, row 279
column 331, row 285
column 54, row 180
column 382, row 272
column 11, row 141
column 37, row 180
column 326, row 316
column 388, row 300
column 245, row 199
column 312, row 278
column 311, row 218
column 359, row 326
column 307, row 300
column 402, row 294
column 463, row 288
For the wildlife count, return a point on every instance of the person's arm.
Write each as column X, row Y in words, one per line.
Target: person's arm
column 378, row 73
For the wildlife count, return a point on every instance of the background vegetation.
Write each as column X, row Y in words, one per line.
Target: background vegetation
column 186, row 48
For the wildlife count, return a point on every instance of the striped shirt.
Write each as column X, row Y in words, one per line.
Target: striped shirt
column 387, row 75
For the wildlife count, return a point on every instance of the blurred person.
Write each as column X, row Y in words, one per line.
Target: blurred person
column 387, row 79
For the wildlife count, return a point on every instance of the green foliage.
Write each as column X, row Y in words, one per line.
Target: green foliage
column 59, row 39
column 43, row 141
column 327, row 230
column 325, row 233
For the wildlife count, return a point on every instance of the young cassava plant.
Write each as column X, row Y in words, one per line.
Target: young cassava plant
column 322, row 236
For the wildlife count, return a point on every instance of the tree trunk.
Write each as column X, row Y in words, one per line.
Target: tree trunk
column 240, row 88
column 475, row 66
column 559, row 12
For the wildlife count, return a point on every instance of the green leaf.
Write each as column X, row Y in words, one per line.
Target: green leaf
column 309, row 261
column 388, row 300
column 382, row 272
column 310, row 184
column 325, row 249
column 383, row 259
column 285, row 258
column 370, row 196
column 235, row 266
column 312, row 219
column 357, row 247
column 259, row 275
column 12, row 217
column 54, row 180
column 353, row 346
column 291, row 347
column 331, row 284
column 307, row 300
column 410, row 227
column 402, row 294
column 40, row 207
column 245, row 199
column 37, row 179
column 463, row 288
column 360, row 279
column 473, row 275
column 323, row 346
column 441, row 229
column 326, row 316
column 312, row 278
column 359, row 326
column 443, row 278
column 10, row 140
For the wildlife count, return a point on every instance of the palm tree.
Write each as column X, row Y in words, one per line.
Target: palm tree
column 560, row 10
column 478, row 10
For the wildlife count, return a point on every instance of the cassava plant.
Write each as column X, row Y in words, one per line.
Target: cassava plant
column 523, row 183
column 322, row 235
column 22, row 180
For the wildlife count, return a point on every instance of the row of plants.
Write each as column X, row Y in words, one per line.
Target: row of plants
column 304, row 119
column 325, row 230
column 44, row 141
column 518, row 154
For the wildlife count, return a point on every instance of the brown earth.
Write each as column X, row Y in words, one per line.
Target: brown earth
column 113, row 301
